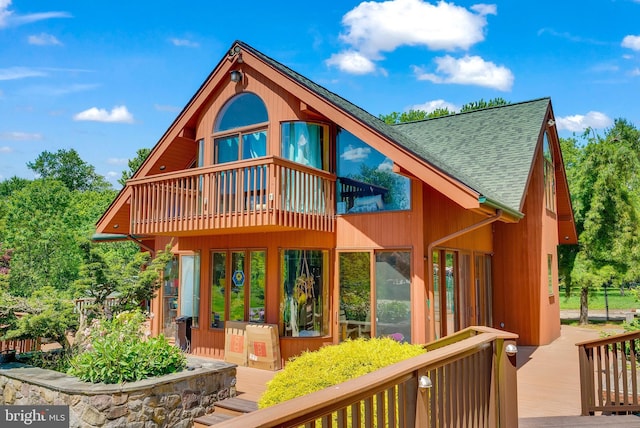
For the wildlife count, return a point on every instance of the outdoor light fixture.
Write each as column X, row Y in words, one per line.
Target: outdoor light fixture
column 511, row 349
column 425, row 382
column 115, row 226
column 551, row 122
column 163, row 167
column 236, row 76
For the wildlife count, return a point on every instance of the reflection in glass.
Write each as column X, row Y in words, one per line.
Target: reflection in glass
column 219, row 266
column 257, row 286
column 355, row 295
column 366, row 181
column 393, row 295
column 238, row 279
column 242, row 110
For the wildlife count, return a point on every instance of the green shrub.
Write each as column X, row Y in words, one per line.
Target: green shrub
column 118, row 351
column 331, row 365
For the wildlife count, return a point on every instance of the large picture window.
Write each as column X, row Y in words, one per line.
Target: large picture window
column 366, row 181
column 304, row 309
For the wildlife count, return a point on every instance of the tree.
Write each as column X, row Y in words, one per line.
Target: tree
column 43, row 240
column 415, row 115
column 133, row 276
column 49, row 315
column 67, row 167
column 134, row 164
column 481, row 103
column 607, row 210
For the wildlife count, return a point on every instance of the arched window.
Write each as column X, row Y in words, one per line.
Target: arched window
column 240, row 130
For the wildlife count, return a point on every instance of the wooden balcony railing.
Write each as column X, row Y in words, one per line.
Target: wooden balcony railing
column 267, row 191
column 465, row 380
column 609, row 374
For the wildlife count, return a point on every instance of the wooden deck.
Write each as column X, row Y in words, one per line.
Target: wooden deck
column 548, row 384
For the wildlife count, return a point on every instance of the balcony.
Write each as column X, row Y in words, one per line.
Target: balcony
column 268, row 193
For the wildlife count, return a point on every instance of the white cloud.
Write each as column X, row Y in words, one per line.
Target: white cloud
column 8, row 18
column 20, row 136
column 355, row 154
column 433, row 105
column 631, row 42
column 184, row 42
column 635, row 72
column 111, row 175
column 14, row 73
column 351, row 62
column 117, row 161
column 44, row 39
column 6, row 149
column 378, row 27
column 579, row 122
column 468, row 70
column 118, row 114
column 386, row 165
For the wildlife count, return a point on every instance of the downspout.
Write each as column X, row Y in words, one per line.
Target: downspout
column 432, row 245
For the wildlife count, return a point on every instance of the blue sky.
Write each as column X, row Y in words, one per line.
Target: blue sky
column 108, row 78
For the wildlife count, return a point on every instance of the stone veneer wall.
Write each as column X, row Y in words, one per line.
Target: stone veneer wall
column 166, row 401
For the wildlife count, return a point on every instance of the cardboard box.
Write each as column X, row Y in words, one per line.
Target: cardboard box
column 263, row 346
column 235, row 343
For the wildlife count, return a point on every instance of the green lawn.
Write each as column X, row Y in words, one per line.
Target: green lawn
column 596, row 300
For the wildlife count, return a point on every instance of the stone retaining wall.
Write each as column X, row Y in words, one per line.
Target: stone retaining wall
column 166, row 401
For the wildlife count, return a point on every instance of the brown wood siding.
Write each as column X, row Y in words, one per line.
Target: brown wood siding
column 521, row 301
column 444, row 217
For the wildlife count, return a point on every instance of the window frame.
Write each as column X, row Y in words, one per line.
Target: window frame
column 247, row 287
column 548, row 160
column 325, row 144
column 240, row 133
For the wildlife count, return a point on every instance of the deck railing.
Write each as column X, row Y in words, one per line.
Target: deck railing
column 465, row 380
column 609, row 374
column 20, row 345
column 266, row 191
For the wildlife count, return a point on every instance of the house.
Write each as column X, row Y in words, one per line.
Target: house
column 286, row 204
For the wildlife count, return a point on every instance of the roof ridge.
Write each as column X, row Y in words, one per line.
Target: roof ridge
column 484, row 109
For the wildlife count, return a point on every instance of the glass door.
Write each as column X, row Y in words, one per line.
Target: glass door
column 170, row 298
column 355, row 295
column 375, row 295
column 446, row 294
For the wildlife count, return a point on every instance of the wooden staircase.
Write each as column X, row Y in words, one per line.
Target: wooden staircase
column 225, row 410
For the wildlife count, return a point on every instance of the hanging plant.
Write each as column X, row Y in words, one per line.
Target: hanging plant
column 304, row 286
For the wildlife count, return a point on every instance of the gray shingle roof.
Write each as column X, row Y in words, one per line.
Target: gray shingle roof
column 489, row 150
column 493, row 147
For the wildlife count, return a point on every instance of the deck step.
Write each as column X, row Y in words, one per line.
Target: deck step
column 211, row 419
column 237, row 405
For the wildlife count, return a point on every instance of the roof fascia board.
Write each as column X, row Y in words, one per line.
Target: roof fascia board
column 116, row 205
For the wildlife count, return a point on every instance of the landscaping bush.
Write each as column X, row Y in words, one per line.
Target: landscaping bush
column 330, row 365
column 117, row 350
